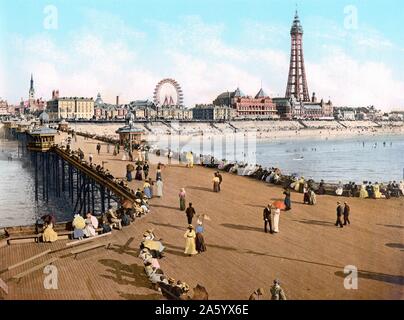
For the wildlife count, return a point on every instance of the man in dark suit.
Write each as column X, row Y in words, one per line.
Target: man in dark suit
column 267, row 219
column 190, row 212
column 340, row 212
column 347, row 211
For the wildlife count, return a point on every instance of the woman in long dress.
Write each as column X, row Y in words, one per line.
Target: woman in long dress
column 216, row 182
column 340, row 189
column 199, row 240
column 182, row 195
column 49, row 235
column 147, row 189
column 190, row 247
column 363, row 193
column 158, row 174
column 376, row 191
column 78, row 224
column 91, row 226
column 287, row 201
column 277, row 214
column 159, row 185
column 138, row 175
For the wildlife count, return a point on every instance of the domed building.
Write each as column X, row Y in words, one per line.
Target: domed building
column 248, row 107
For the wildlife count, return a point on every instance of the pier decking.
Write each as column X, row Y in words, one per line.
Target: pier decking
column 308, row 255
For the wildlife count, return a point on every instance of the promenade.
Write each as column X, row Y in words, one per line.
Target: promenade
column 308, row 255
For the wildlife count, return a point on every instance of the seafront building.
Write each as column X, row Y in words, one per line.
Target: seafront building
column 248, row 107
column 3, row 107
column 210, row 112
column 70, row 107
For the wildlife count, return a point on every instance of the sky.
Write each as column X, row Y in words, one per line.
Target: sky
column 354, row 50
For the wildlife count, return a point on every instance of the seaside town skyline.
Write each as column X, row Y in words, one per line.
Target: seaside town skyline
column 263, row 65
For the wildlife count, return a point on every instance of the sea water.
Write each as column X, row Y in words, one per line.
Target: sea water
column 378, row 158
column 17, row 191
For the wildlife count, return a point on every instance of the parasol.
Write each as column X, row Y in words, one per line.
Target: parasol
column 130, row 167
column 279, row 205
column 127, row 204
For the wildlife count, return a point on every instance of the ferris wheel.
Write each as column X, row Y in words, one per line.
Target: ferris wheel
column 167, row 93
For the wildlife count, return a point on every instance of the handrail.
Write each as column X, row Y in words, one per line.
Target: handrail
column 114, row 187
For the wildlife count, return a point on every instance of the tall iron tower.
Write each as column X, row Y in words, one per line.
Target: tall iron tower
column 297, row 83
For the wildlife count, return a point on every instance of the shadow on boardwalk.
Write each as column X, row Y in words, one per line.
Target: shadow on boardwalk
column 389, row 278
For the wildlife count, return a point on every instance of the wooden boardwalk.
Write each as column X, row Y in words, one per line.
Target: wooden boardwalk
column 308, row 255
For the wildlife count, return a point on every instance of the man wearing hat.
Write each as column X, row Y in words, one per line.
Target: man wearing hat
column 190, row 212
column 257, row 294
column 267, row 219
column 340, row 213
column 276, row 291
column 347, row 211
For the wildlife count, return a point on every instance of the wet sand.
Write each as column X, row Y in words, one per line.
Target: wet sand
column 308, row 255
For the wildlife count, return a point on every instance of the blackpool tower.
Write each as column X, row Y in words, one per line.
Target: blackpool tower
column 297, row 83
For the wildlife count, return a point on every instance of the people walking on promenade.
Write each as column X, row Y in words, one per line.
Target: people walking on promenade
column 340, row 213
column 347, row 211
column 199, row 240
column 129, row 169
column 216, row 182
column 287, row 201
column 190, row 246
column 98, row 148
column 257, row 294
column 146, row 169
column 182, row 196
column 138, row 175
column 90, row 158
column 159, row 185
column 158, row 173
column 190, row 159
column 306, row 196
column 220, row 179
column 277, row 215
column 190, row 212
column 267, row 219
column 169, row 156
column 151, row 187
column 313, row 197
column 277, row 292
column 108, row 148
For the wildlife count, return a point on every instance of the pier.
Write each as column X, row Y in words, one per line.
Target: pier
column 308, row 255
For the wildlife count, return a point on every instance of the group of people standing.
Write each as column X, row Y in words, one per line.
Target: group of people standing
column 271, row 217
column 343, row 213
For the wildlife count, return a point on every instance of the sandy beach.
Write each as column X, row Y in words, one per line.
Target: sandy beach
column 308, row 255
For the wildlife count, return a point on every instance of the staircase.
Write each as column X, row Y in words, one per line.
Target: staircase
column 215, row 127
column 235, row 128
column 302, row 123
column 339, row 122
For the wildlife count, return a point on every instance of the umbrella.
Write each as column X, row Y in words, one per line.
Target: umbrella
column 279, row 205
column 130, row 167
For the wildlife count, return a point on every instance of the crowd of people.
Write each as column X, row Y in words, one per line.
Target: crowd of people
column 151, row 250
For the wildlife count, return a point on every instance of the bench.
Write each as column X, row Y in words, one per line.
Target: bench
column 75, row 252
column 24, row 238
column 28, row 259
column 35, row 268
column 73, row 243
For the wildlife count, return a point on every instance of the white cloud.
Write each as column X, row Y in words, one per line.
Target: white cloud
column 195, row 54
column 357, row 83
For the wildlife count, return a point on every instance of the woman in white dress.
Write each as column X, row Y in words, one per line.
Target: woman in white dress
column 159, row 185
column 277, row 215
